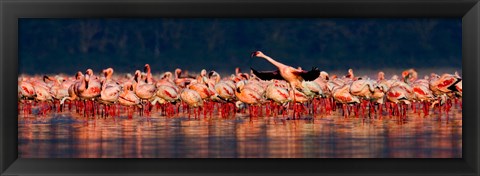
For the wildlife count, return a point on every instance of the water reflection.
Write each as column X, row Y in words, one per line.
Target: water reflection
column 67, row 136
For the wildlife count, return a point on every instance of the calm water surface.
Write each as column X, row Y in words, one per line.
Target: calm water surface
column 66, row 136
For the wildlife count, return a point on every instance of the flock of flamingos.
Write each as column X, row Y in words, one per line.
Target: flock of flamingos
column 287, row 91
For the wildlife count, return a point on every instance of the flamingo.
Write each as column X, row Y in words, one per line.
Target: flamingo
column 322, row 81
column 311, row 89
column 342, row 95
column 192, row 99
column 380, row 76
column 42, row 95
column 128, row 98
column 248, row 96
column 145, row 91
column 73, row 89
column 89, row 91
column 363, row 89
column 82, row 89
column 224, row 91
column 201, row 88
column 92, row 87
column 379, row 93
column 26, row 88
column 292, row 75
column 110, row 90
column 182, row 81
column 59, row 89
column 397, row 95
column 350, row 76
column 444, row 84
column 167, row 80
column 277, row 94
column 149, row 79
column 167, row 96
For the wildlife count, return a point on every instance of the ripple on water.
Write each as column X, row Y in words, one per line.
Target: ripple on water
column 68, row 135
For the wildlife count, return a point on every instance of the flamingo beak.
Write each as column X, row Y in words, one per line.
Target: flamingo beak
column 253, row 54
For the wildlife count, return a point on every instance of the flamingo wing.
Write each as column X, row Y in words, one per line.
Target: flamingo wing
column 453, row 87
column 310, row 75
column 267, row 75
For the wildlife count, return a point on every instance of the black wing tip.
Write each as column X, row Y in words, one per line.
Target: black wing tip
column 312, row 74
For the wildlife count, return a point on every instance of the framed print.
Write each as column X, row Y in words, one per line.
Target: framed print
column 223, row 87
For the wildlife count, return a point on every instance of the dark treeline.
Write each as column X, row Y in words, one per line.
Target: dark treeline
column 69, row 45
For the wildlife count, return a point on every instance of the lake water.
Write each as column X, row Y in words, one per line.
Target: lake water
column 68, row 135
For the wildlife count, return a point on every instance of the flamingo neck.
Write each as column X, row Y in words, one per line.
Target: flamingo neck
column 274, row 62
column 177, row 74
column 83, row 86
column 109, row 77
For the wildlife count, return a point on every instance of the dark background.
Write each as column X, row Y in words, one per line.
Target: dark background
column 70, row 45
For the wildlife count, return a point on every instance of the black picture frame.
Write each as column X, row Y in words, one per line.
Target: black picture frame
column 11, row 11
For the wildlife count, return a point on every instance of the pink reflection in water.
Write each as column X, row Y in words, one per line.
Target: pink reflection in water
column 58, row 136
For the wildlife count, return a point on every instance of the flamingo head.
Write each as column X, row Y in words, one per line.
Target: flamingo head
column 212, row 73
column 240, row 85
column 107, row 72
column 394, row 77
column 60, row 79
column 413, row 74
column 434, row 76
column 167, row 75
column 45, row 77
column 78, row 75
column 324, row 75
column 237, row 70
column 381, row 76
column 147, row 68
column 178, row 71
column 89, row 72
column 245, row 76
column 203, row 73
column 137, row 75
column 405, row 75
column 256, row 54
column 127, row 86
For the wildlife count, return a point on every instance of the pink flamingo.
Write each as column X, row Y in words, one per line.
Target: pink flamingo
column 182, row 81
column 277, row 94
column 248, row 96
column 73, row 89
column 292, row 75
column 342, row 95
column 398, row 95
column 145, row 91
column 128, row 98
column 363, row 89
column 110, row 91
column 193, row 100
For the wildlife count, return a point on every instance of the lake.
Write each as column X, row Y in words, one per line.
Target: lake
column 69, row 135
